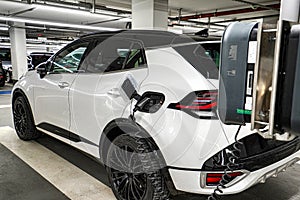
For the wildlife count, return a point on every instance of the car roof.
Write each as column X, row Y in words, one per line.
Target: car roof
column 149, row 38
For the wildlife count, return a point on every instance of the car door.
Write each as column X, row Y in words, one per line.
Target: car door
column 95, row 96
column 51, row 92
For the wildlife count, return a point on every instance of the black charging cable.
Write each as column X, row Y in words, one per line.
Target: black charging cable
column 141, row 102
column 230, row 167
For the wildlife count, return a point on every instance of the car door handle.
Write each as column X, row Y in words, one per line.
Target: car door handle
column 114, row 92
column 63, row 84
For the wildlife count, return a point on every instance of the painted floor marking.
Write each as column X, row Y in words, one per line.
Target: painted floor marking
column 5, row 92
column 5, row 106
column 69, row 179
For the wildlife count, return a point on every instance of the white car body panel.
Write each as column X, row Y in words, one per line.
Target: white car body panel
column 102, row 102
column 52, row 101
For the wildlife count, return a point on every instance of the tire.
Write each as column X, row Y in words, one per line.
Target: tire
column 23, row 120
column 8, row 77
column 134, row 170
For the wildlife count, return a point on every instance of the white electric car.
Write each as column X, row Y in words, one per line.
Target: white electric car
column 144, row 103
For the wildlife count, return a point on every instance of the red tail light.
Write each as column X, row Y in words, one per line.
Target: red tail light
column 213, row 179
column 1, row 76
column 199, row 101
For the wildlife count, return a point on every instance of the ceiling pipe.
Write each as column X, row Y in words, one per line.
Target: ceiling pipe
column 224, row 13
column 247, row 18
column 20, row 12
column 207, row 23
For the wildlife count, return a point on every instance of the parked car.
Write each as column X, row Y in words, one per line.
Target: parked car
column 2, row 75
column 35, row 58
column 144, row 103
column 5, row 57
column 213, row 49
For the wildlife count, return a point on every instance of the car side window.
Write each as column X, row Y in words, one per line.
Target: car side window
column 114, row 55
column 69, row 59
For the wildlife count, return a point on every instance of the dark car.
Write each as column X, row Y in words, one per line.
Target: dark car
column 5, row 57
column 35, row 58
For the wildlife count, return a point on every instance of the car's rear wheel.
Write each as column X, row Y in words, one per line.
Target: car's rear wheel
column 23, row 120
column 134, row 170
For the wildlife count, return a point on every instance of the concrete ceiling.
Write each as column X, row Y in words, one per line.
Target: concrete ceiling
column 116, row 13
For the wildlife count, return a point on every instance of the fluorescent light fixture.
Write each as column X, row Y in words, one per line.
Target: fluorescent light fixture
column 56, row 24
column 48, row 41
column 63, row 42
column 44, row 45
column 3, row 28
column 4, row 44
column 84, row 13
column 7, row 44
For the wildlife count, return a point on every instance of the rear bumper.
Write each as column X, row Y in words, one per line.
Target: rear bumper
column 192, row 181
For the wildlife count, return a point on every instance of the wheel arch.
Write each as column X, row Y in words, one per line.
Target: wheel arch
column 118, row 127
column 122, row 126
column 19, row 92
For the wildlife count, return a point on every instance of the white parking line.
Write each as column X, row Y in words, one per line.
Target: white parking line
column 69, row 179
column 5, row 106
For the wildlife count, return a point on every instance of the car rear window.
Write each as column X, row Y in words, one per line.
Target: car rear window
column 198, row 58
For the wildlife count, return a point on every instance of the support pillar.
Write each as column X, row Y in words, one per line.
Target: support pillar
column 18, row 49
column 289, row 10
column 150, row 14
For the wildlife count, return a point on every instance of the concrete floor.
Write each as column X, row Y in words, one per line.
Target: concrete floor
column 50, row 169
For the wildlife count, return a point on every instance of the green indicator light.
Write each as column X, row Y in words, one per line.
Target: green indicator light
column 243, row 112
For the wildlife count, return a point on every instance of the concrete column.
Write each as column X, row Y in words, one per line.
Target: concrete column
column 150, row 14
column 18, row 49
column 289, row 10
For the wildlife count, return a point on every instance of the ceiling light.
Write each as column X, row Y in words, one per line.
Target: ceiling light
column 55, row 24
column 3, row 28
column 78, row 11
column 8, row 44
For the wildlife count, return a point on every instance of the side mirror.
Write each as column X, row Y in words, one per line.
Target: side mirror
column 42, row 69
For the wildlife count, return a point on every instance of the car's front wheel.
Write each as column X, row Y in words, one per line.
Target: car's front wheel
column 134, row 170
column 23, row 120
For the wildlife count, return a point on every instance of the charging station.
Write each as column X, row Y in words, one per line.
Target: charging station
column 238, row 57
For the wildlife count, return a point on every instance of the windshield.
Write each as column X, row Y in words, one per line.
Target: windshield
column 198, row 58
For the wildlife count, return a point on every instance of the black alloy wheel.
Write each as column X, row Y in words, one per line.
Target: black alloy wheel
column 130, row 184
column 23, row 120
column 132, row 174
